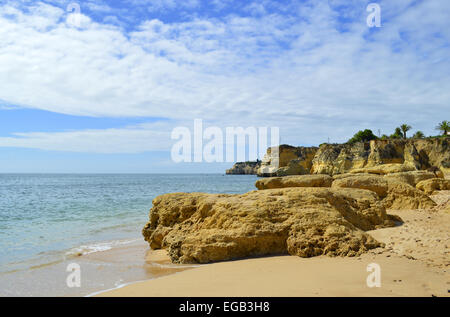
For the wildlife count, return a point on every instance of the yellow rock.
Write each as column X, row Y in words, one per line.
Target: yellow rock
column 384, row 169
column 294, row 181
column 375, row 157
column 402, row 196
column 200, row 228
column 411, row 178
column 288, row 160
column 373, row 183
column 430, row 185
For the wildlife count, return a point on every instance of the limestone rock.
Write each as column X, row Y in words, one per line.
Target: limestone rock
column 294, row 167
column 345, row 175
column 340, row 158
column 436, row 152
column 294, row 181
column 395, row 190
column 411, row 178
column 375, row 157
column 430, row 185
column 402, row 196
column 281, row 158
column 373, row 183
column 244, row 168
column 200, row 228
column 384, row 169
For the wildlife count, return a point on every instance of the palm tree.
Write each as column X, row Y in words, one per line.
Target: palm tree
column 405, row 128
column 444, row 126
column 419, row 135
column 397, row 134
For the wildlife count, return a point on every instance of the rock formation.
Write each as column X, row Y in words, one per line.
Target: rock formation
column 412, row 177
column 333, row 194
column 303, row 221
column 288, row 160
column 244, row 168
column 393, row 192
column 304, row 215
column 403, row 196
column 429, row 186
column 376, row 184
column 294, row 181
column 375, row 157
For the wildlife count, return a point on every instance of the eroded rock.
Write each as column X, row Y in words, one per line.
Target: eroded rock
column 430, row 185
column 201, row 228
column 294, row 181
column 373, row 183
column 402, row 196
column 412, row 177
column 375, row 157
column 384, row 169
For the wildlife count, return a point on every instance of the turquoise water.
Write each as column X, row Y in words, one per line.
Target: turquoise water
column 45, row 218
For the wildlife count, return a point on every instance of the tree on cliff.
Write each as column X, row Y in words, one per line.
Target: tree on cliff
column 444, row 127
column 405, row 128
column 418, row 135
column 397, row 134
column 362, row 136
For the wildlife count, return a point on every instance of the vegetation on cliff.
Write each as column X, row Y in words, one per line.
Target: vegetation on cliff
column 444, row 127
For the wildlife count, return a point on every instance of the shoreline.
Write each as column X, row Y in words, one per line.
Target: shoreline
column 412, row 264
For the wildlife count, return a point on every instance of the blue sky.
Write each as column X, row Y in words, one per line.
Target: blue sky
column 104, row 95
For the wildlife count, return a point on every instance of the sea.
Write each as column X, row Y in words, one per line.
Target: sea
column 49, row 220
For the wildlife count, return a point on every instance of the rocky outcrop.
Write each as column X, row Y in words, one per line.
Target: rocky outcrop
column 375, row 184
column 287, row 160
column 384, row 169
column 402, row 196
column 294, row 181
column 394, row 192
column 244, row 168
column 429, row 186
column 435, row 152
column 340, row 158
column 303, row 221
column 374, row 157
column 412, row 177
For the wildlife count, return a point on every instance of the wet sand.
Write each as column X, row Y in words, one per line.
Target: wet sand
column 98, row 271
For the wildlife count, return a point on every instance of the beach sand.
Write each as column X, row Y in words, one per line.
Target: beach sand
column 415, row 262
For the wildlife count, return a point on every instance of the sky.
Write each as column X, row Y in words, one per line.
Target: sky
column 100, row 89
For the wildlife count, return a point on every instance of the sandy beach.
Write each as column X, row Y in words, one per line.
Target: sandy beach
column 415, row 262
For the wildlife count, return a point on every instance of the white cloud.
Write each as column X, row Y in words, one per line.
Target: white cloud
column 148, row 137
column 295, row 70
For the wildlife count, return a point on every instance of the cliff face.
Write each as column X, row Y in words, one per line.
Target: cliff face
column 291, row 161
column 244, row 168
column 375, row 157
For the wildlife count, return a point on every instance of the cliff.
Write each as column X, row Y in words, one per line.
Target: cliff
column 291, row 161
column 243, row 168
column 375, row 157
